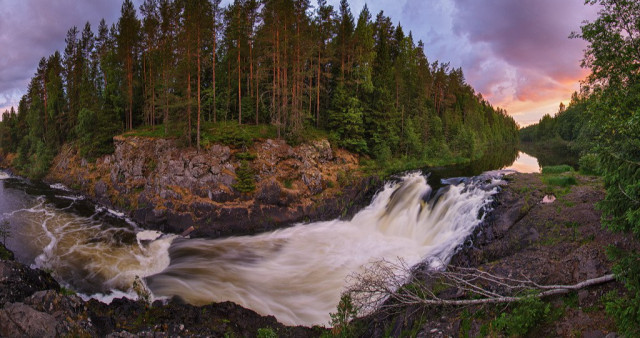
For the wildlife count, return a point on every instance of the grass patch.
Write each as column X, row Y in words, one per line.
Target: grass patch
column 246, row 156
column 560, row 181
column 66, row 292
column 231, row 133
column 153, row 132
column 288, row 183
column 5, row 254
column 561, row 176
column 556, row 169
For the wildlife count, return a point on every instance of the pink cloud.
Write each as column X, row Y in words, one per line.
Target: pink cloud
column 529, row 40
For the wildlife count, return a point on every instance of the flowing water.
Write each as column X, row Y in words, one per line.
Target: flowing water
column 296, row 274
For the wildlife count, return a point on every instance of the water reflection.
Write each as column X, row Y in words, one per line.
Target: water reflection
column 552, row 153
column 496, row 158
column 524, row 163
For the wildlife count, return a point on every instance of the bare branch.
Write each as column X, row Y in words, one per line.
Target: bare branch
column 386, row 285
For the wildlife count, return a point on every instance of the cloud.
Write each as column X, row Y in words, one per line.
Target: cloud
column 528, row 39
column 32, row 29
column 516, row 53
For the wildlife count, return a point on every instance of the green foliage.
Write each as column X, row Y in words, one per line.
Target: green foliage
column 559, row 176
column 340, row 321
column 266, row 332
column 5, row 232
column 557, row 169
column 625, row 309
column 40, row 161
column 4, row 253
column 66, row 292
column 245, row 182
column 246, row 156
column 613, row 105
column 231, row 133
column 346, row 121
column 589, row 164
column 288, row 183
column 526, row 315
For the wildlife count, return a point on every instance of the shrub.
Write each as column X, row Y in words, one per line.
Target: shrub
column 625, row 308
column 340, row 320
column 526, row 315
column 267, row 332
column 589, row 164
column 245, row 181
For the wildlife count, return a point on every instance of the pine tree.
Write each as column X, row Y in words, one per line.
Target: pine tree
column 128, row 45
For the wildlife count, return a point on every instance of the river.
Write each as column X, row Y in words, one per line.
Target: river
column 295, row 274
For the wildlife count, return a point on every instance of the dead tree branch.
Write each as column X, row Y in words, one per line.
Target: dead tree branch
column 385, row 285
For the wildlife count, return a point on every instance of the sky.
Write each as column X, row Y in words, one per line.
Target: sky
column 516, row 53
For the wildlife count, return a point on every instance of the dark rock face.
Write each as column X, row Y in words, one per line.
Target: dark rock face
column 18, row 281
column 168, row 188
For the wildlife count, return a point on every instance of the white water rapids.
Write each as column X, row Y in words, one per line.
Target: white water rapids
column 295, row 274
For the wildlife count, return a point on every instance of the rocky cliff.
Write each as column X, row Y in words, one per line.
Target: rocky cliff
column 163, row 186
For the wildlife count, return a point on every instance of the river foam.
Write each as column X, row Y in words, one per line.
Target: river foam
column 297, row 274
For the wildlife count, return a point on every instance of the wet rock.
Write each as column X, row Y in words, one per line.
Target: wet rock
column 18, row 281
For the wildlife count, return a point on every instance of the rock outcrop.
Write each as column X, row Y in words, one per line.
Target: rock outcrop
column 32, row 305
column 165, row 187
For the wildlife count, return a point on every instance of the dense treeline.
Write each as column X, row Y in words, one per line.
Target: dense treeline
column 605, row 120
column 181, row 66
column 570, row 124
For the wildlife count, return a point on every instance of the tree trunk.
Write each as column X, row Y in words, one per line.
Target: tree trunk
column 213, row 67
column 130, row 87
column 198, row 61
column 239, row 87
column 318, row 93
column 279, row 113
column 189, row 104
column 166, row 100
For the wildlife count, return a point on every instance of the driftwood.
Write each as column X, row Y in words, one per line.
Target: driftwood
column 385, row 286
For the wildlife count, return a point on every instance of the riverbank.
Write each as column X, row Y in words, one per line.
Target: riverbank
column 555, row 243
column 558, row 243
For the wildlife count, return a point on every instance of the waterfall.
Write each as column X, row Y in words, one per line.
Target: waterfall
column 297, row 274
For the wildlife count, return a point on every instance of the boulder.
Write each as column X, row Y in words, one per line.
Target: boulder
column 21, row 320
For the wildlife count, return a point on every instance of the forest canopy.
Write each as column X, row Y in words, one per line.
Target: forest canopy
column 184, row 66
